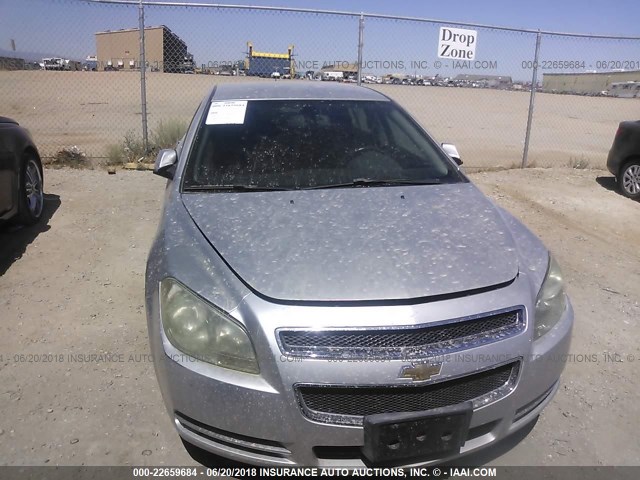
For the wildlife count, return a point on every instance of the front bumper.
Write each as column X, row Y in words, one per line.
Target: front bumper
column 257, row 419
column 613, row 162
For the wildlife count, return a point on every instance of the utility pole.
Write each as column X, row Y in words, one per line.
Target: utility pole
column 143, row 81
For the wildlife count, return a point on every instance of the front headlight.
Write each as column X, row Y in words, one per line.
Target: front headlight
column 202, row 331
column 551, row 301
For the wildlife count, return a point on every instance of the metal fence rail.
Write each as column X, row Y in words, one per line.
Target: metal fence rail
column 525, row 98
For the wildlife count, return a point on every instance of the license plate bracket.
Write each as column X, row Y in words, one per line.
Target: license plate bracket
column 432, row 434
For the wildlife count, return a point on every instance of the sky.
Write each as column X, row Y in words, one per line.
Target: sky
column 66, row 28
column 575, row 16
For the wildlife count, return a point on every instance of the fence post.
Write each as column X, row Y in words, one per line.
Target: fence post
column 534, row 81
column 360, row 47
column 143, row 81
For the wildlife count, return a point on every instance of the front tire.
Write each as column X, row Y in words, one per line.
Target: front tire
column 31, row 201
column 629, row 179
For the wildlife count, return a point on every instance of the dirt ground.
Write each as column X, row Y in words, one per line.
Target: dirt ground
column 96, row 109
column 72, row 288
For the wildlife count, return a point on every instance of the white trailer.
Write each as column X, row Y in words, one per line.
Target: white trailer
column 625, row 89
column 53, row 63
column 333, row 76
column 57, row 63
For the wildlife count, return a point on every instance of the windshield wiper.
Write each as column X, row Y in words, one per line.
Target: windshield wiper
column 371, row 182
column 356, row 182
column 232, row 188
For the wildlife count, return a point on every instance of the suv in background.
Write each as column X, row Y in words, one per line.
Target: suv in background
column 624, row 158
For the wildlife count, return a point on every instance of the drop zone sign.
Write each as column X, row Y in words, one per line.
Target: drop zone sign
column 457, row 43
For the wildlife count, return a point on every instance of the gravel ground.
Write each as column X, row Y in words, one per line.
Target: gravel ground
column 72, row 287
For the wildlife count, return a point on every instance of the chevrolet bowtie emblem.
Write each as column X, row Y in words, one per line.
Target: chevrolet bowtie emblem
column 421, row 371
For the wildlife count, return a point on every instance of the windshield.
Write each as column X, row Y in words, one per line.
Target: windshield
column 298, row 144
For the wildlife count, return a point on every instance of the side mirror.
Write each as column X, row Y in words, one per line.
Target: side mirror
column 165, row 165
column 452, row 151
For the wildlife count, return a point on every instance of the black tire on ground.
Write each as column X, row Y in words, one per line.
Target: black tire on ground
column 629, row 179
column 31, row 195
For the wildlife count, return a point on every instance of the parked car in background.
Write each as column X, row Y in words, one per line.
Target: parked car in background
column 326, row 287
column 624, row 158
column 21, row 177
column 53, row 63
column 333, row 76
column 374, row 79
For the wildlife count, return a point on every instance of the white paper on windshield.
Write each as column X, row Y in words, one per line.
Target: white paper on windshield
column 227, row 113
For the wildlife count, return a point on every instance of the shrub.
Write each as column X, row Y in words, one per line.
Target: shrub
column 516, row 165
column 115, row 155
column 579, row 163
column 166, row 135
column 168, row 132
column 70, row 157
column 133, row 147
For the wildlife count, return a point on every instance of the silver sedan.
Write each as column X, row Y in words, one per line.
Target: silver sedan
column 327, row 288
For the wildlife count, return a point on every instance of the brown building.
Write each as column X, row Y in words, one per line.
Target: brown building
column 164, row 50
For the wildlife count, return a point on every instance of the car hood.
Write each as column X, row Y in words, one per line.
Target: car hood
column 359, row 244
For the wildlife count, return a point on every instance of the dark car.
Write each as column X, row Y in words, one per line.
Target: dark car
column 21, row 179
column 624, row 158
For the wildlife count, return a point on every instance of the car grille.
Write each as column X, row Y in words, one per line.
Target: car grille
column 404, row 342
column 349, row 404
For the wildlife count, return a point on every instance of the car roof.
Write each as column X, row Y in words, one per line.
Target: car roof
column 294, row 90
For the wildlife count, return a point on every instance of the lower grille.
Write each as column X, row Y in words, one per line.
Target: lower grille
column 349, row 404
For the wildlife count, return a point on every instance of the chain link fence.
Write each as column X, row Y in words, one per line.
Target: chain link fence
column 73, row 76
